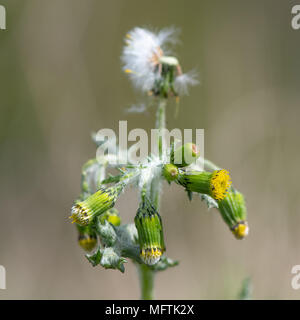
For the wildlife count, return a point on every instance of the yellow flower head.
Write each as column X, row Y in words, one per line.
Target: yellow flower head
column 215, row 184
column 220, row 184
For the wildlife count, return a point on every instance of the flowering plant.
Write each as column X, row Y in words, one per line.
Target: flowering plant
column 148, row 61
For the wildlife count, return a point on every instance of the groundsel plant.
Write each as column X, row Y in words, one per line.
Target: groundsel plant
column 148, row 60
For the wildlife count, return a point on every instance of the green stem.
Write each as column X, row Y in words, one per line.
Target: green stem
column 161, row 123
column 146, row 282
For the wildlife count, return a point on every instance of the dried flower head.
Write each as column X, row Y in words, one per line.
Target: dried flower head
column 151, row 70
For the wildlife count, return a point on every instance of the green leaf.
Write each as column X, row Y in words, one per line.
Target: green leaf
column 111, row 260
column 95, row 258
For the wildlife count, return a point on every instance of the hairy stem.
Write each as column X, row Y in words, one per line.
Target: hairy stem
column 160, row 125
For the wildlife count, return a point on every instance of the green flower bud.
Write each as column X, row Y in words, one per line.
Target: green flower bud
column 87, row 238
column 170, row 172
column 150, row 233
column 83, row 212
column 185, row 155
column 215, row 184
column 234, row 213
column 112, row 216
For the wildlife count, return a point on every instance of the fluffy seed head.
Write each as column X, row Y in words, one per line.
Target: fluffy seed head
column 184, row 81
column 142, row 53
column 146, row 59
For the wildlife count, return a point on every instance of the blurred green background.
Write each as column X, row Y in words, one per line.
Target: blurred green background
column 60, row 79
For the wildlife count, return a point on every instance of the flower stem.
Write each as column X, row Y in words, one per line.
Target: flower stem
column 146, row 282
column 161, row 123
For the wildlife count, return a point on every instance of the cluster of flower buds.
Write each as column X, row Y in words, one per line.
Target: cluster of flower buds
column 146, row 59
column 150, row 232
column 215, row 186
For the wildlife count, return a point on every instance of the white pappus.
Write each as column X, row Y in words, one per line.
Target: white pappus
column 145, row 53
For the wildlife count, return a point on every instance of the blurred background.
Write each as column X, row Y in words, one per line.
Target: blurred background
column 61, row 79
